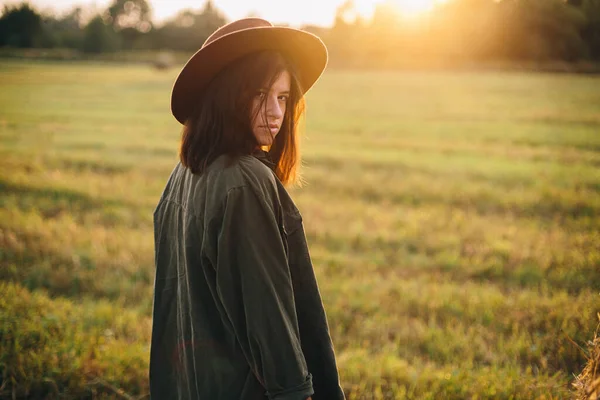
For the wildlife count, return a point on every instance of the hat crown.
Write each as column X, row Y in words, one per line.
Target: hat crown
column 240, row 24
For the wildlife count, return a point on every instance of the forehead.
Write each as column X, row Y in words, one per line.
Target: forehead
column 282, row 83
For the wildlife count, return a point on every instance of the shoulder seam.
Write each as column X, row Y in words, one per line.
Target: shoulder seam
column 173, row 201
column 218, row 208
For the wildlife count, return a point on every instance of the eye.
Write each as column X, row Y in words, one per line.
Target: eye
column 284, row 98
column 261, row 94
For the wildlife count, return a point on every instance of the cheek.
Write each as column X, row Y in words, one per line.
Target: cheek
column 253, row 113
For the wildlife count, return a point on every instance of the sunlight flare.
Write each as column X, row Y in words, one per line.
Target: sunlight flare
column 406, row 8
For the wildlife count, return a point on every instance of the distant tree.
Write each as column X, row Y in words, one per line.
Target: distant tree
column 591, row 31
column 545, row 29
column 189, row 29
column 386, row 17
column 344, row 39
column 99, row 37
column 383, row 43
column 131, row 19
column 346, row 14
column 20, row 26
column 209, row 20
column 464, row 30
column 135, row 14
column 65, row 31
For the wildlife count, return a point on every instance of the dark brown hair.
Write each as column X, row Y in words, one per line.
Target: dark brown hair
column 221, row 122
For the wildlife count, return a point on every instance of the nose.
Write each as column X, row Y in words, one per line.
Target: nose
column 274, row 111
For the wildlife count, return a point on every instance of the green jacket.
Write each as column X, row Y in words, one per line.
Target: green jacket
column 237, row 312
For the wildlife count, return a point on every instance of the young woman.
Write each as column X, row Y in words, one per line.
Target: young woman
column 237, row 310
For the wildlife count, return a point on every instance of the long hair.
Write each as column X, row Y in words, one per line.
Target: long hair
column 221, row 120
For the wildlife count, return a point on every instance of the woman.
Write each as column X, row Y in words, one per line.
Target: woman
column 237, row 310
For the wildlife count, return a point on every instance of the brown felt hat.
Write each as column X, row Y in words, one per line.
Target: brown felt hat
column 303, row 49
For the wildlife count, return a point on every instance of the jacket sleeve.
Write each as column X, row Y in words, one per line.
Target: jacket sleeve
column 255, row 288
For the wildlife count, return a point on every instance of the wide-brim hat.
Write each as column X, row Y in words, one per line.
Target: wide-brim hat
column 304, row 50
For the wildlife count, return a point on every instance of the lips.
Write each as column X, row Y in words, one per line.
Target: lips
column 272, row 128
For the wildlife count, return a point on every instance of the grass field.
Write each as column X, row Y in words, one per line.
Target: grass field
column 453, row 220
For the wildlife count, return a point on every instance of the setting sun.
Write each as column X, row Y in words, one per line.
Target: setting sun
column 414, row 7
column 406, row 8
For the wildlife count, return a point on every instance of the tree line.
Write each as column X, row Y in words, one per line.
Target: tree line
column 124, row 25
column 454, row 31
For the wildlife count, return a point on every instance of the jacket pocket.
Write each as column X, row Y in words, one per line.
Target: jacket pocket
column 292, row 221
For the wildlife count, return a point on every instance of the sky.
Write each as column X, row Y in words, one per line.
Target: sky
column 292, row 12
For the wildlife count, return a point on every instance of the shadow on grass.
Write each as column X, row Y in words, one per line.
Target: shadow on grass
column 32, row 261
column 56, row 202
column 486, row 201
column 93, row 166
column 410, row 257
column 28, row 196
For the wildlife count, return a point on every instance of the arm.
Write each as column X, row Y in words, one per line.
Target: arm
column 254, row 285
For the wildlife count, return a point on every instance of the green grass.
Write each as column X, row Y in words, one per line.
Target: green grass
column 453, row 220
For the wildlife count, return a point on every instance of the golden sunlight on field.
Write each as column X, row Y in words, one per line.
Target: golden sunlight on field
column 452, row 218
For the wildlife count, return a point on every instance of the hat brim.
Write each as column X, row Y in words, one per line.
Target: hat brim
column 304, row 50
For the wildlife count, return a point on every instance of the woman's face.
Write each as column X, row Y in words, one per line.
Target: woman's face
column 268, row 118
